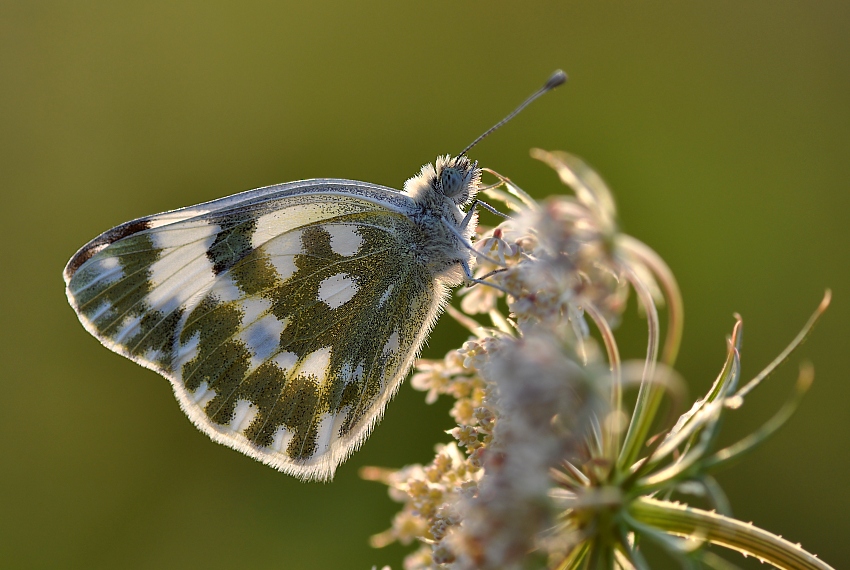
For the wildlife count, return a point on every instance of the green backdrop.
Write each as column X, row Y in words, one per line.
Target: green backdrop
column 723, row 129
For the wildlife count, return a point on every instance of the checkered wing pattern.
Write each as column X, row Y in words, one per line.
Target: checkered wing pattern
column 284, row 318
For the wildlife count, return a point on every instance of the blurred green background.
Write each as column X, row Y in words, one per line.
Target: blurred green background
column 723, row 129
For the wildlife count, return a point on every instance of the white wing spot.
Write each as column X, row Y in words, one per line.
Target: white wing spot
column 225, row 289
column 284, row 265
column 286, row 360
column 129, row 325
column 337, row 290
column 203, row 395
column 152, row 355
column 182, row 235
column 186, row 352
column 178, row 216
column 253, row 308
column 392, row 344
column 279, row 223
column 339, row 419
column 386, row 296
column 183, row 268
column 281, row 439
column 243, row 415
column 317, row 364
column 345, row 240
column 325, row 431
column 282, row 251
column 107, row 263
column 263, row 338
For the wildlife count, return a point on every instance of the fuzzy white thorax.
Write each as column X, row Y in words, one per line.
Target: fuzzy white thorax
column 438, row 191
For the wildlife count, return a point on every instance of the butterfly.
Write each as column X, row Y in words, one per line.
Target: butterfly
column 286, row 317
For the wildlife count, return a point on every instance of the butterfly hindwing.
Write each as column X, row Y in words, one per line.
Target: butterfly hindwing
column 285, row 318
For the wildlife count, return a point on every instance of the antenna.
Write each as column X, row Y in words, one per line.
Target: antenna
column 556, row 79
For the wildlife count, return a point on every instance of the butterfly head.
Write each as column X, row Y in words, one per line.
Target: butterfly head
column 456, row 178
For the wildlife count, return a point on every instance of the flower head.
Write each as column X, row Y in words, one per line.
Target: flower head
column 547, row 463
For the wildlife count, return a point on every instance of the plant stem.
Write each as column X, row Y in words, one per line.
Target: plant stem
column 717, row 529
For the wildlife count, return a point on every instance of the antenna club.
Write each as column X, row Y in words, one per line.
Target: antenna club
column 557, row 78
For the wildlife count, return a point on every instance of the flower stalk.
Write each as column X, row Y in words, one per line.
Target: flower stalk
column 713, row 528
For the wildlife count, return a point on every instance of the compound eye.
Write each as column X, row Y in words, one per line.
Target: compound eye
column 451, row 181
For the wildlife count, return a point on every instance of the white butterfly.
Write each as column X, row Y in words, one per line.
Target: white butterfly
column 285, row 317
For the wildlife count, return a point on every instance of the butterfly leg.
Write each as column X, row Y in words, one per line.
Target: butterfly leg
column 465, row 222
column 472, row 280
column 483, row 204
column 470, row 247
column 492, row 273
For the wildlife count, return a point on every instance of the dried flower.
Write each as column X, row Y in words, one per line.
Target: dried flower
column 548, row 467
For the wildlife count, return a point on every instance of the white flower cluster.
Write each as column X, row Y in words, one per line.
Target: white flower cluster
column 549, row 468
column 522, row 388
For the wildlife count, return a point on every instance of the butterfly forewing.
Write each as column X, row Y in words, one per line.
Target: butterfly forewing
column 285, row 318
